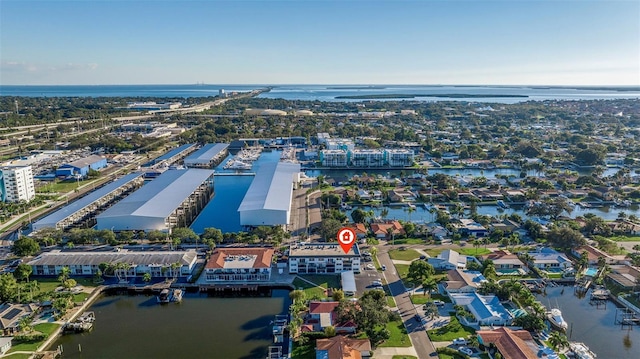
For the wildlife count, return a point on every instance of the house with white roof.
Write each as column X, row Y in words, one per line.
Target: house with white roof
column 486, row 309
column 448, row 259
column 461, row 281
column 548, row 259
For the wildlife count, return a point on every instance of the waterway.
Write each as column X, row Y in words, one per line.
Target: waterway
column 592, row 326
column 199, row 327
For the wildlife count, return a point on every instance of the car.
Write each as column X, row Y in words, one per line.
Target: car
column 423, row 257
column 370, row 266
column 465, row 350
column 460, row 341
column 402, row 248
column 376, row 283
column 438, row 303
column 384, row 267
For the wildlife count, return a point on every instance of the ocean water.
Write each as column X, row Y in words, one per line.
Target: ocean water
column 330, row 92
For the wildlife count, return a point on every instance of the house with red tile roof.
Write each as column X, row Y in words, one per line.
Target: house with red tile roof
column 239, row 264
column 381, row 229
column 341, row 347
column 322, row 315
column 511, row 344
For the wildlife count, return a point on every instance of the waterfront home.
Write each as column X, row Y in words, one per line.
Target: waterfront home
column 625, row 227
column 360, row 229
column 437, row 231
column 10, row 315
column 593, row 254
column 342, row 347
column 603, row 192
column 486, row 309
column 156, row 263
column 322, row 315
column 549, row 260
column 485, row 194
column 506, row 263
column 239, row 264
column 469, row 227
column 625, row 276
column 323, row 258
column 461, row 281
column 512, row 344
column 448, row 259
column 506, row 226
column 381, row 229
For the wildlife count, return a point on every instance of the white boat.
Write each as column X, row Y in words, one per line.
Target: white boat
column 555, row 318
column 237, row 165
column 502, row 204
column 581, row 351
column 176, row 296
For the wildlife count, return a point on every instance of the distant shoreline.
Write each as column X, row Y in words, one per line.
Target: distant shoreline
column 451, row 95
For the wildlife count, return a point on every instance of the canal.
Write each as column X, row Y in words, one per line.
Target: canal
column 592, row 325
column 199, row 327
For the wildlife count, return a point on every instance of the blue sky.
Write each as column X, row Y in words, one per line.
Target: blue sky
column 576, row 42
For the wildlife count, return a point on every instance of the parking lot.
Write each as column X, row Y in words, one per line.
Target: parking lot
column 365, row 278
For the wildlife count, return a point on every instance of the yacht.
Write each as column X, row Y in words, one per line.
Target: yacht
column 237, row 165
column 581, row 351
column 502, row 204
column 555, row 318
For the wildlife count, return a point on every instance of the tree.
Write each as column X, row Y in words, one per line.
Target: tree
column 297, row 295
column 65, row 272
column 8, row 287
column 558, row 340
column 146, row 277
column 428, row 285
column 25, row 324
column 419, row 271
column 337, row 295
column 25, row 246
column 213, row 234
column 358, row 215
column 329, row 228
column 330, row 331
column 431, row 310
column 69, row 283
column 183, row 234
column 490, row 272
column 529, row 322
column 23, row 271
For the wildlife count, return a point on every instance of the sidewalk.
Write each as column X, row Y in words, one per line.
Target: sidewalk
column 388, row 353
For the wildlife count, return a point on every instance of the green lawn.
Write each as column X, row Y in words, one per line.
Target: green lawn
column 325, row 281
column 450, row 331
column 625, row 238
column 398, row 337
column 80, row 297
column 471, row 251
column 305, row 351
column 63, row 186
column 18, row 356
column 46, row 328
column 310, row 290
column 403, row 357
column 403, row 270
column 406, row 255
column 433, row 252
column 420, row 299
column 390, row 301
column 408, row 241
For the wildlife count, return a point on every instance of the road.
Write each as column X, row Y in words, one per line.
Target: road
column 423, row 346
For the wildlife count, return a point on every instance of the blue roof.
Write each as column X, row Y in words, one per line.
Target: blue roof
column 173, row 152
column 206, row 153
column 52, row 219
column 160, row 197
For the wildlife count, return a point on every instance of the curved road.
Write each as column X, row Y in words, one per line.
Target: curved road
column 423, row 346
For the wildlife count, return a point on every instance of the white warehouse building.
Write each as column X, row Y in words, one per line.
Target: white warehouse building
column 174, row 199
column 268, row 199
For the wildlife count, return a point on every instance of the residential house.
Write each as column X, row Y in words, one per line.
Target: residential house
column 506, row 263
column 506, row 226
column 602, row 192
column 239, row 264
column 549, row 260
column 437, row 231
column 10, row 315
column 625, row 227
column 381, row 229
column 322, row 315
column 486, row 309
column 341, row 347
column 469, row 227
column 625, row 276
column 593, row 254
column 448, row 259
column 323, row 258
column 461, row 281
column 485, row 194
column 360, row 229
column 511, row 344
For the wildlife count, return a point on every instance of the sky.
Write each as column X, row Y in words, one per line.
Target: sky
column 499, row 42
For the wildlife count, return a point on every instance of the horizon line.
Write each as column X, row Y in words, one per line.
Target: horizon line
column 329, row 84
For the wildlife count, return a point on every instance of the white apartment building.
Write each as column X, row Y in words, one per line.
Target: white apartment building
column 322, row 258
column 340, row 144
column 333, row 158
column 399, row 157
column 366, row 158
column 16, row 183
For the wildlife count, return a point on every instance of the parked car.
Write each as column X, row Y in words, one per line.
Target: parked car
column 438, row 303
column 465, row 350
column 423, row 257
column 460, row 341
column 376, row 283
column 384, row 267
column 370, row 266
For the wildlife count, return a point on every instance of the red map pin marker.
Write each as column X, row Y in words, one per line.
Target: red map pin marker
column 346, row 238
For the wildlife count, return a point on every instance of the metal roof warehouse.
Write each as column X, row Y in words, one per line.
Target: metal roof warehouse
column 208, row 156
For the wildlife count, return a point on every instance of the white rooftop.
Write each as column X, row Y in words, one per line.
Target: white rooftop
column 271, row 188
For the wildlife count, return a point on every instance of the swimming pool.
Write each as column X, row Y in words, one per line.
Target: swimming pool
column 591, row 272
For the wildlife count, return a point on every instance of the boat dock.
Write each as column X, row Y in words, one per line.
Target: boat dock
column 83, row 323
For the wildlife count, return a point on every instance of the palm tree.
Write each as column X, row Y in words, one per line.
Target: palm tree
column 391, row 234
column 65, row 272
column 558, row 340
column 429, row 285
column 384, row 213
column 411, row 210
column 476, row 244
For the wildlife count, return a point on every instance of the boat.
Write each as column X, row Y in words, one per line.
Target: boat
column 164, row 296
column 502, row 204
column 83, row 323
column 345, row 206
column 237, row 165
column 581, row 351
column 555, row 318
column 412, row 206
column 176, row 296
